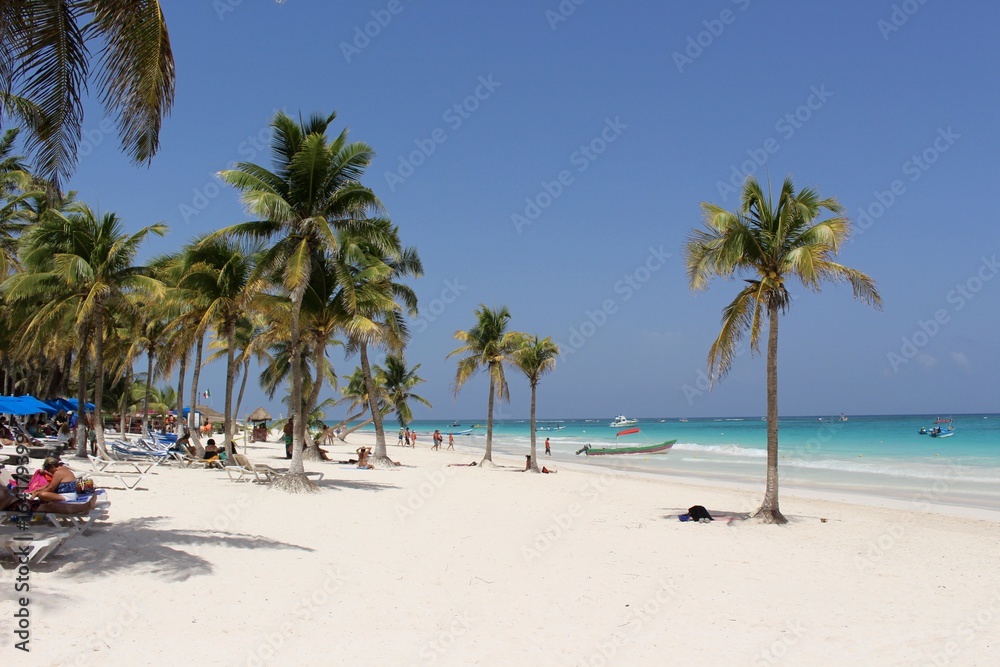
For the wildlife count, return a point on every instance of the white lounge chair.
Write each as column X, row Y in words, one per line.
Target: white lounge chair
column 35, row 544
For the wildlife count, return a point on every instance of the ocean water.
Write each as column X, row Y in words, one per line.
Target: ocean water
column 871, row 455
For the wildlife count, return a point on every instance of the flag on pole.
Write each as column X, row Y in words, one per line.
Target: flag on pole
column 206, row 394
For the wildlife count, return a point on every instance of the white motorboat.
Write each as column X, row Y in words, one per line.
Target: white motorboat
column 621, row 420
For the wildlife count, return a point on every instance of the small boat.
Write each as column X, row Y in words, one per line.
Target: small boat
column 465, row 432
column 938, row 432
column 621, row 420
column 843, row 417
column 637, row 449
column 550, row 427
column 455, row 424
column 683, row 421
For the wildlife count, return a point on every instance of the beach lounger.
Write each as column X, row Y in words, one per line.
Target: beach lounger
column 261, row 472
column 36, row 544
column 119, row 466
column 241, row 470
column 78, row 523
column 126, row 453
column 134, row 473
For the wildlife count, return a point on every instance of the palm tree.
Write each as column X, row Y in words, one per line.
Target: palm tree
column 369, row 265
column 17, row 188
column 45, row 65
column 83, row 263
column 224, row 274
column 535, row 357
column 399, row 382
column 355, row 394
column 487, row 345
column 769, row 242
column 313, row 191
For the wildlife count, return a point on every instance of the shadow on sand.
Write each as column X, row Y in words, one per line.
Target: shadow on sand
column 138, row 545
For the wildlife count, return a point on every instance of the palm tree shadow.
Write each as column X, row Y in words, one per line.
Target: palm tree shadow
column 137, row 545
column 360, row 485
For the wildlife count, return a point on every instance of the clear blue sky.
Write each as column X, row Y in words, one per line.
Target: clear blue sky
column 671, row 98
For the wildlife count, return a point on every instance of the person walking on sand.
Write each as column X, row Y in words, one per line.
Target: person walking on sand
column 437, row 440
column 451, row 441
column 406, row 436
column 399, row 443
column 548, row 448
column 413, row 439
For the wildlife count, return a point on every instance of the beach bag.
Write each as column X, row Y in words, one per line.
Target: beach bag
column 84, row 486
column 698, row 512
column 38, row 481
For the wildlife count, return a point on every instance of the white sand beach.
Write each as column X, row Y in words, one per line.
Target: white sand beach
column 435, row 565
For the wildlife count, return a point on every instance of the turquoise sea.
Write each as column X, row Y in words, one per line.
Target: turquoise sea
column 871, row 455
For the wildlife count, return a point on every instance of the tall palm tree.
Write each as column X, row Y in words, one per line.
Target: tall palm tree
column 769, row 241
column 45, row 65
column 17, row 188
column 399, row 382
column 84, row 262
column 535, row 357
column 313, row 190
column 223, row 272
column 487, row 345
column 355, row 394
column 374, row 301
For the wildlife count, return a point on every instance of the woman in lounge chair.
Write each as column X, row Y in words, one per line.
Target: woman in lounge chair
column 9, row 502
column 211, row 450
column 61, row 487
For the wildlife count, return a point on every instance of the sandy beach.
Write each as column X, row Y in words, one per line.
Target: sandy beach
column 436, row 565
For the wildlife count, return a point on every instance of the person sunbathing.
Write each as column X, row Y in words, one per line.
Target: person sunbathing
column 9, row 502
column 61, row 486
column 211, row 450
column 363, row 453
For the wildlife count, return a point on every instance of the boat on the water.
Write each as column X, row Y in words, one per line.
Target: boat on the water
column 465, row 432
column 637, row 449
column 940, row 431
column 621, row 420
column 550, row 427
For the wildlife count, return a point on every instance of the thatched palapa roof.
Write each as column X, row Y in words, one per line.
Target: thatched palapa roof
column 259, row 415
column 209, row 413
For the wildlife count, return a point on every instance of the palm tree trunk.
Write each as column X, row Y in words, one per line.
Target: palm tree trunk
column 349, row 419
column 180, row 387
column 380, row 454
column 81, row 398
column 312, row 449
column 296, row 481
column 243, row 386
column 534, row 461
column 99, row 377
column 230, row 381
column 123, row 419
column 195, row 434
column 344, row 434
column 145, row 396
column 768, row 512
column 489, row 421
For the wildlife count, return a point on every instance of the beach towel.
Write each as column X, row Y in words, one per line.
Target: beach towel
column 38, row 481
